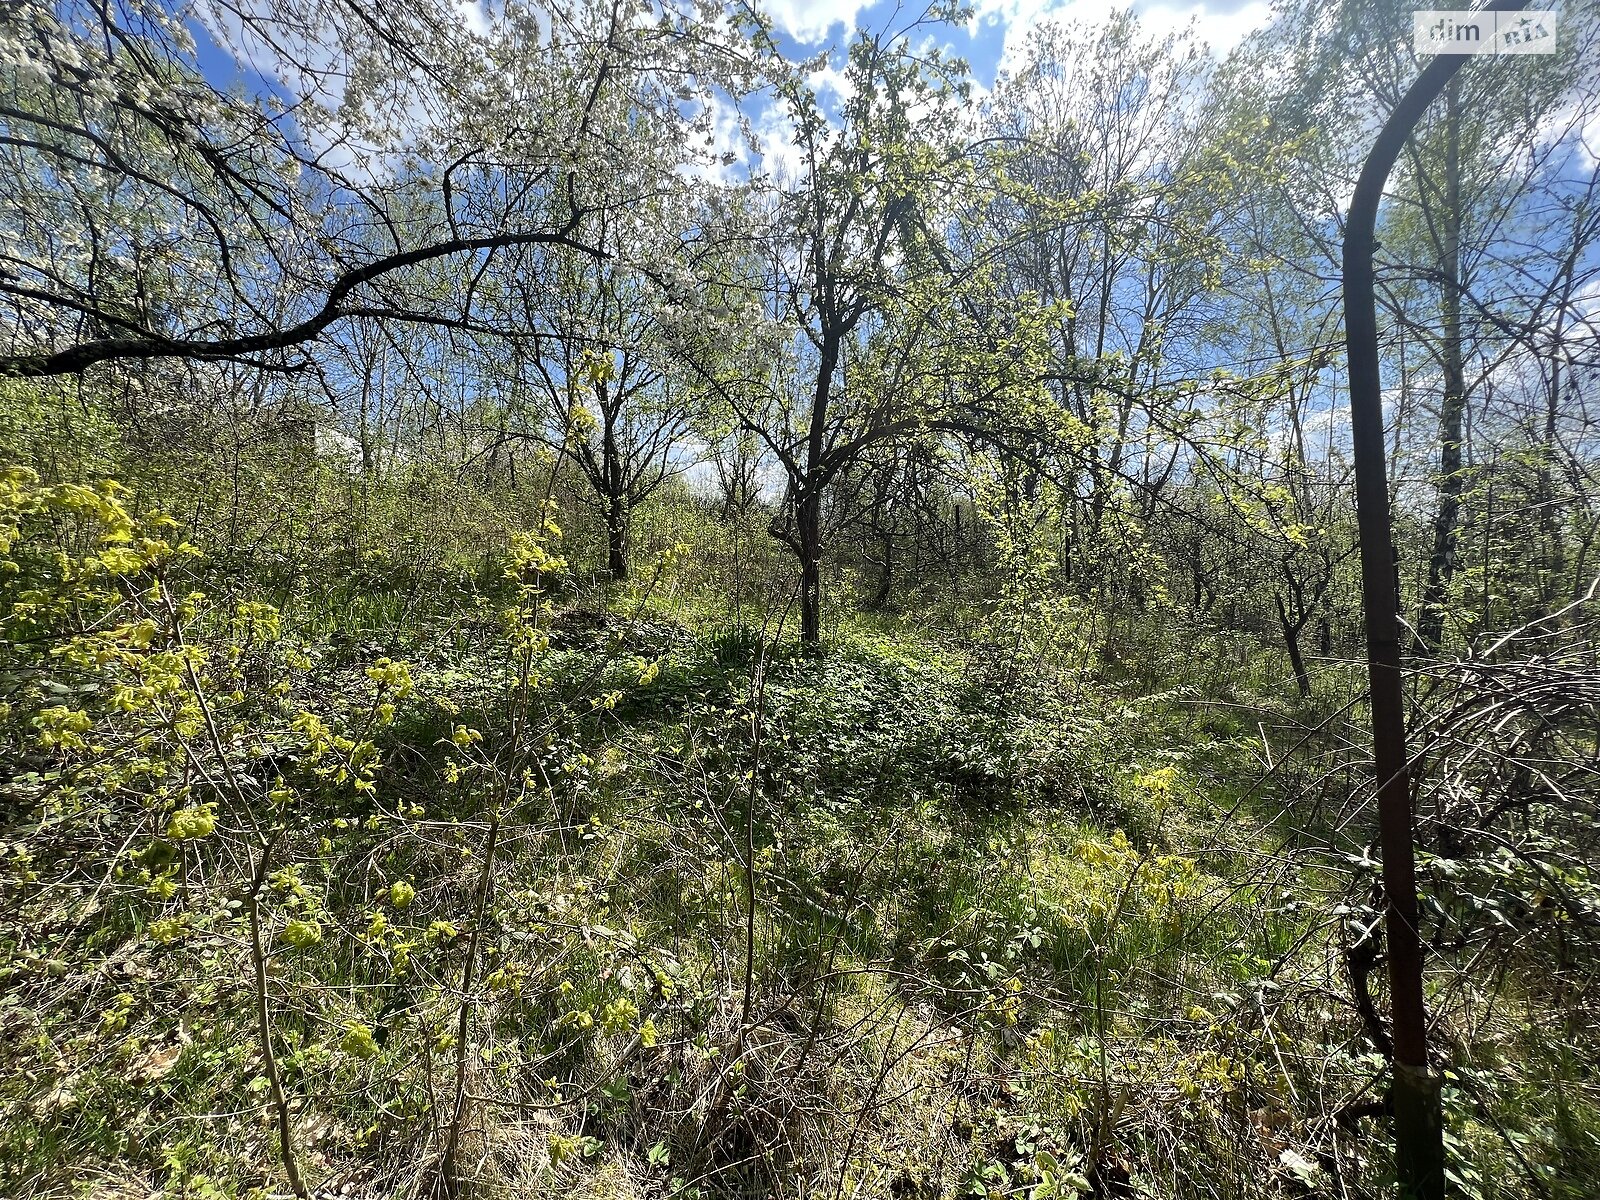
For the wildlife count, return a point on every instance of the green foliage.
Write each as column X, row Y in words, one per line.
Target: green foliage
column 969, row 861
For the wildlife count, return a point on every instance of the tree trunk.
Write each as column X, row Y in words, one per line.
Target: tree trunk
column 808, row 533
column 1291, row 642
column 1555, row 550
column 1446, row 524
column 885, row 576
column 808, row 497
column 617, row 537
column 616, row 494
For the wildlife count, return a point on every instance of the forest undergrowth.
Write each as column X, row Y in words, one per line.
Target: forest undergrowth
column 520, row 885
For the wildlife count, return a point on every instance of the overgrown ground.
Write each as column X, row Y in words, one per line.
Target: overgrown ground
column 512, row 886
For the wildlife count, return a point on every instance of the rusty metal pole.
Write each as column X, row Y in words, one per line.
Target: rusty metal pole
column 1418, row 1125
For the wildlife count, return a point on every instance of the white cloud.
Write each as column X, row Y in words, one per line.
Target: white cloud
column 1586, row 300
column 720, row 142
column 1219, row 30
column 780, row 156
column 831, row 80
column 811, row 21
column 473, row 16
column 1222, row 31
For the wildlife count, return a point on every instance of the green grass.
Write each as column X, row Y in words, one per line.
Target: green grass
column 1000, row 923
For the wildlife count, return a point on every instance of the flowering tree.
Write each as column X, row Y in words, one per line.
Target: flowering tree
column 152, row 213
